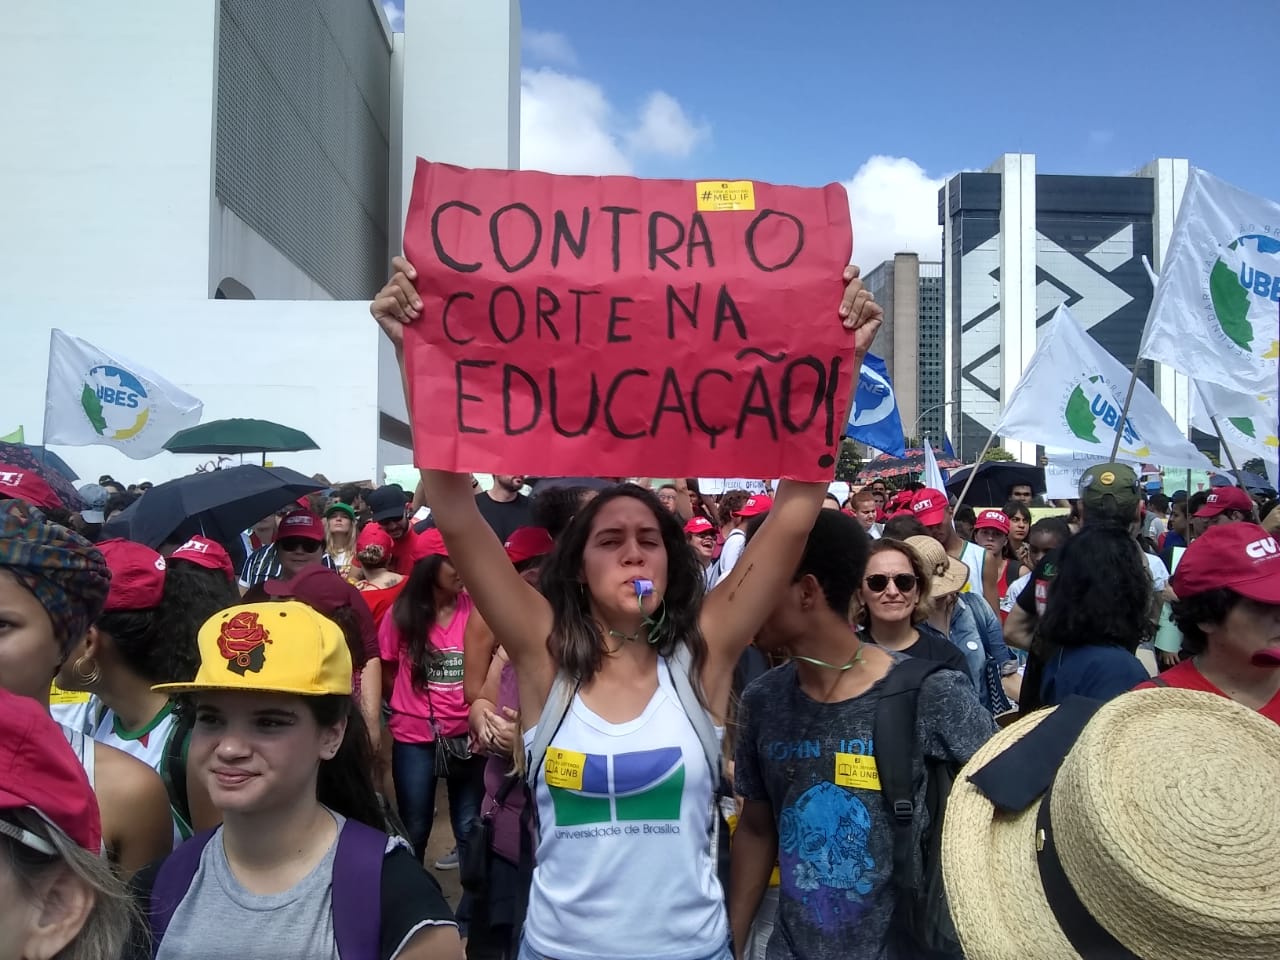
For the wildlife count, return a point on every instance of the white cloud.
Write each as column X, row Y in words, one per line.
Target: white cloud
column 894, row 205
column 395, row 14
column 548, row 46
column 666, row 129
column 568, row 125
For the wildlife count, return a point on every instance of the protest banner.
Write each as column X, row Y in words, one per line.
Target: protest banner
column 575, row 324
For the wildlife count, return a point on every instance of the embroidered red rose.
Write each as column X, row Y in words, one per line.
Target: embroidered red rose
column 240, row 640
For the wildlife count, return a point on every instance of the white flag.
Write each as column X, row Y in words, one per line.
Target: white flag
column 96, row 397
column 1249, row 423
column 1215, row 314
column 1071, row 395
column 932, row 477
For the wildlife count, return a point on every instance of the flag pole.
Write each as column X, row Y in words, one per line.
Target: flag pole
column 973, row 471
column 1227, row 450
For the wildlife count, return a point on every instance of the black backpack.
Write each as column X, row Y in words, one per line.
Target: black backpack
column 922, row 919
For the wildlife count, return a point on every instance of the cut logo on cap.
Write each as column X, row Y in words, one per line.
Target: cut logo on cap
column 1261, row 549
column 241, row 641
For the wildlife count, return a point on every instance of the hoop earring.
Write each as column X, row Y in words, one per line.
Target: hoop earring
column 87, row 677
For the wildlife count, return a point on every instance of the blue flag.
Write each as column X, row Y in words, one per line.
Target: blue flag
column 875, row 420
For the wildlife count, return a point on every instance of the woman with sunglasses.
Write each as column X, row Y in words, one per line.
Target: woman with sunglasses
column 300, row 543
column 895, row 602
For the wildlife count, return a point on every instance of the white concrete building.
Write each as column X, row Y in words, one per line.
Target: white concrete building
column 161, row 156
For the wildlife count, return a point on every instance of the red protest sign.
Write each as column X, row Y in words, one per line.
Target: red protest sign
column 574, row 325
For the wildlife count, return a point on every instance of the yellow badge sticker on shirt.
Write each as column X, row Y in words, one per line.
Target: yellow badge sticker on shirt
column 726, row 195
column 857, row 770
column 65, row 697
column 563, row 768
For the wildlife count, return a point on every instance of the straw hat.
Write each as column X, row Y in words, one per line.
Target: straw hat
column 1171, row 848
column 948, row 575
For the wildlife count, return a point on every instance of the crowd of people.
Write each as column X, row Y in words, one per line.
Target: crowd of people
column 768, row 724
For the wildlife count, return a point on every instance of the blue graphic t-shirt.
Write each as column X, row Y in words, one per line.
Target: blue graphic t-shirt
column 814, row 764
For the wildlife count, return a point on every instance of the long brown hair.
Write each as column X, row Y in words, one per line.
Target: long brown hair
column 576, row 643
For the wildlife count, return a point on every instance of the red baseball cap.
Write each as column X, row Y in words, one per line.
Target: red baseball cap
column 697, row 526
column 39, row 771
column 300, row 523
column 527, row 543
column 1241, row 556
column 930, row 506
column 992, row 520
column 760, row 503
column 19, row 483
column 373, row 535
column 430, row 543
column 137, row 575
column 325, row 592
column 1223, row 499
column 203, row 552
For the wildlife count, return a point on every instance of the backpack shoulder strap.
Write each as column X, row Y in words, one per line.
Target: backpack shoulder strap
column 172, row 881
column 895, row 750
column 357, row 890
column 559, row 700
column 679, row 665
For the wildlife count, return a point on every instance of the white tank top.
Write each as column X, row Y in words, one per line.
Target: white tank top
column 624, row 866
column 973, row 556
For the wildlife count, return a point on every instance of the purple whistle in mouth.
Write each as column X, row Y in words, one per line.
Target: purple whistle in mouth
column 643, row 587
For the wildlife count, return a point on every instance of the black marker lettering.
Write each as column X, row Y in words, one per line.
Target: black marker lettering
column 615, row 231
column 495, row 235
column 577, row 311
column 670, row 385
column 560, row 233
column 711, row 431
column 464, row 396
column 444, row 317
column 493, row 314
column 509, row 373
column 547, row 306
column 436, row 242
column 788, row 388
column 798, row 243
column 763, row 408
column 690, row 313
column 609, row 396
column 593, row 404
column 698, row 230
column 615, row 318
column 727, row 312
column 656, row 251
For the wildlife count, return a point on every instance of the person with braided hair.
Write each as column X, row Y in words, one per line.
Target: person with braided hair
column 53, row 586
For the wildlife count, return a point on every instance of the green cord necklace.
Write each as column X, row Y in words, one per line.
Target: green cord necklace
column 855, row 659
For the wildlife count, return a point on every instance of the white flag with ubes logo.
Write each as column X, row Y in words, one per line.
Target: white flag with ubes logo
column 96, row 397
column 1215, row 314
column 1071, row 396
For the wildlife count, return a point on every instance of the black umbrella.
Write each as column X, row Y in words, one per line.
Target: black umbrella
column 219, row 504
column 1253, row 482
column 993, row 482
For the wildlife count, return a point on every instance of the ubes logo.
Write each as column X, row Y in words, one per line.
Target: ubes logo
column 1093, row 411
column 115, row 402
column 1244, row 288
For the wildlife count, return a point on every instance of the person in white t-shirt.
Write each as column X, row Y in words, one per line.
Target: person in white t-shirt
column 736, row 538
column 626, row 868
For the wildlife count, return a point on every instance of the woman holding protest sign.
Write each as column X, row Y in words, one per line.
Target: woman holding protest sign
column 634, row 666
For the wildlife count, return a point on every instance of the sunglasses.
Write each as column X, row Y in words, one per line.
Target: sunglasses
column 879, row 582
column 294, row 544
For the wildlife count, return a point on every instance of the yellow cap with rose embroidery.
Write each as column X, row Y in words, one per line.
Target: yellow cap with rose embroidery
column 281, row 647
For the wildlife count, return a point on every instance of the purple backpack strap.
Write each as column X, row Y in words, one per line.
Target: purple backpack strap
column 171, row 883
column 357, row 891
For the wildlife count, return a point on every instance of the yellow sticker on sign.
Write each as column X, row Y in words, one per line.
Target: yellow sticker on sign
column 726, row 195
column 66, row 697
column 856, row 770
column 564, row 768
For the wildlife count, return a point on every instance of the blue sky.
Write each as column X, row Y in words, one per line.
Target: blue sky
column 893, row 99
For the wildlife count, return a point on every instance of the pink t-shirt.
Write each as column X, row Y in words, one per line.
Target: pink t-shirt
column 411, row 707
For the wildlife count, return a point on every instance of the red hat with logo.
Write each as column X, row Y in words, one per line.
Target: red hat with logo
column 699, row 525
column 992, row 520
column 325, row 591
column 1240, row 556
column 929, row 506
column 40, row 772
column 760, row 503
column 203, row 552
column 300, row 523
column 137, row 575
column 19, row 483
column 527, row 543
column 430, row 543
column 1223, row 499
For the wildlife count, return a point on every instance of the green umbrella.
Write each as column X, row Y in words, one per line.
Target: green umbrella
column 239, row 436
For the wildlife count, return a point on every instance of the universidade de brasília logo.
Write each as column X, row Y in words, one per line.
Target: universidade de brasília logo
column 1244, row 288
column 115, row 401
column 1092, row 409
